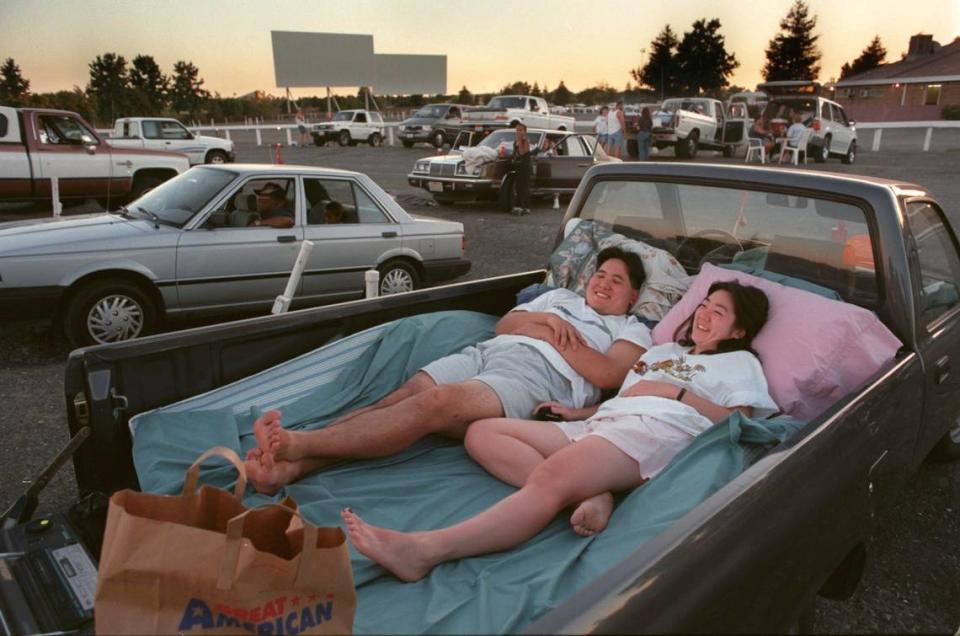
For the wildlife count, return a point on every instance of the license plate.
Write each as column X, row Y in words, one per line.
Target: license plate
column 435, row 186
column 478, row 128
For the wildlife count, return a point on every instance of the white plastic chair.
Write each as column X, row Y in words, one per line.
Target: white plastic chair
column 794, row 151
column 755, row 147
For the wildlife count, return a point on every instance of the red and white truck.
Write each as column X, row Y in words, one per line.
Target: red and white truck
column 39, row 144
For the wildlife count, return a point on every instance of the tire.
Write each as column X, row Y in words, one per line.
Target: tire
column 507, row 194
column 692, row 146
column 851, row 155
column 141, row 184
column 727, row 151
column 948, row 448
column 375, row 140
column 437, row 139
column 343, row 138
column 407, row 144
column 823, row 152
column 109, row 310
column 216, row 156
column 680, row 150
column 398, row 276
column 317, row 140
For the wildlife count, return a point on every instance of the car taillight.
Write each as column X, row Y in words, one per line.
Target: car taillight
column 463, row 243
column 816, row 124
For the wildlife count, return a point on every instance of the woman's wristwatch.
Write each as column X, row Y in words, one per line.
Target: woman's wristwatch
column 680, row 395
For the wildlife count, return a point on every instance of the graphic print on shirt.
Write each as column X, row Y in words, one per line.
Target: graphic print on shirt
column 677, row 367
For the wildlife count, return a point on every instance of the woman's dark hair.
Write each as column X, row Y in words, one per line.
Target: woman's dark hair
column 632, row 261
column 750, row 310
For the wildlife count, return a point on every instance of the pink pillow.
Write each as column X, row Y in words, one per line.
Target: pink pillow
column 814, row 350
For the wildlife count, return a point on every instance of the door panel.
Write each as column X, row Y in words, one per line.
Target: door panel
column 83, row 170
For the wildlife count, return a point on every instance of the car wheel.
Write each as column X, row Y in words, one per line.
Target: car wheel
column 375, row 140
column 109, row 311
column 143, row 184
column 851, row 155
column 216, row 156
column 397, row 277
column 343, row 138
column 948, row 448
column 317, row 140
column 437, row 139
column 692, row 147
column 728, row 151
column 507, row 194
column 407, row 144
column 824, row 152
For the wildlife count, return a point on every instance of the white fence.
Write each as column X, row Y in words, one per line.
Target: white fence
column 583, row 126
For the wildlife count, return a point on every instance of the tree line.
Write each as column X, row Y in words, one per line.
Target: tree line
column 694, row 63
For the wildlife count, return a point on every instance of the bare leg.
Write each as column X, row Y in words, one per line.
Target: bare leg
column 574, row 473
column 419, row 382
column 446, row 409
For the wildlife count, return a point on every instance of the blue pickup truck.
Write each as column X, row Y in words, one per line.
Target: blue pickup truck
column 753, row 553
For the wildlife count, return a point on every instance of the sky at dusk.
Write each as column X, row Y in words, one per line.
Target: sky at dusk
column 488, row 43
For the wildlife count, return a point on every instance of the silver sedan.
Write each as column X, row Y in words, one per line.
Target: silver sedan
column 219, row 239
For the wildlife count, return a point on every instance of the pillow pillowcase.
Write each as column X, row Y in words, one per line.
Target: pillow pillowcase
column 575, row 260
column 813, row 350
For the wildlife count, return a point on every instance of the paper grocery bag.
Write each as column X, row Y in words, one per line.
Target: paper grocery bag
column 202, row 563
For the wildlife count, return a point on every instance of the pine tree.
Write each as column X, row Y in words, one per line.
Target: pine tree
column 13, row 88
column 561, row 95
column 109, row 85
column 793, row 54
column 149, row 83
column 870, row 58
column 660, row 72
column 465, row 96
column 702, row 59
column 186, row 92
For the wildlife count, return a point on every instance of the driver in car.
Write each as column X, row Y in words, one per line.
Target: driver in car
column 272, row 206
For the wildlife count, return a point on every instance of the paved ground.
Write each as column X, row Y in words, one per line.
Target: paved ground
column 913, row 580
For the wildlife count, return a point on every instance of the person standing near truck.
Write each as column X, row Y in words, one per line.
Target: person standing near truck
column 523, row 168
column 616, row 124
column 301, row 120
column 644, row 128
column 600, row 127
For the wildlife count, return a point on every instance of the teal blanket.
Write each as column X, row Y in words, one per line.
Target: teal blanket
column 434, row 483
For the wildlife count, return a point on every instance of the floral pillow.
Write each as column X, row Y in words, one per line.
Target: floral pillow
column 575, row 260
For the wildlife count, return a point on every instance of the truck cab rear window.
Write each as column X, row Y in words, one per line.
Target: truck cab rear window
column 4, row 125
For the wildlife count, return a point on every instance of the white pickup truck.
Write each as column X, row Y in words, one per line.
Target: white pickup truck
column 159, row 133
column 38, row 144
column 506, row 111
column 691, row 122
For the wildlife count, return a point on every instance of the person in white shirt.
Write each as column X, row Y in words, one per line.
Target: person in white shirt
column 675, row 391
column 795, row 131
column 600, row 127
column 301, row 121
column 559, row 347
column 616, row 127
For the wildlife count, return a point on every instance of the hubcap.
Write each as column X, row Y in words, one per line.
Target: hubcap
column 115, row 318
column 396, row 281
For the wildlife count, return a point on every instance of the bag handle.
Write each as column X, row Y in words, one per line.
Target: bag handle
column 231, row 556
column 193, row 473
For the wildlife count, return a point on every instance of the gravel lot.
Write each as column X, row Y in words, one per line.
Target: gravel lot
column 913, row 579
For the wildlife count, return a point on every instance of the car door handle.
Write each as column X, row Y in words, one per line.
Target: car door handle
column 389, row 234
column 942, row 370
column 286, row 238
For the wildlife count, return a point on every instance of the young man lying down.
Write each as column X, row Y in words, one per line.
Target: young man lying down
column 560, row 347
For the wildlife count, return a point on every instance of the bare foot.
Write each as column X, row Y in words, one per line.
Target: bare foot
column 592, row 515
column 268, row 475
column 272, row 437
column 400, row 553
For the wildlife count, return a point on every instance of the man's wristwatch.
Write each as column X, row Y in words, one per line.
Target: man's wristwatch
column 680, row 395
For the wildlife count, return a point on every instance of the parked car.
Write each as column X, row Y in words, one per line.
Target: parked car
column 191, row 246
column 163, row 133
column 755, row 551
column 436, row 124
column 451, row 178
column 349, row 127
column 506, row 111
column 37, row 144
column 834, row 134
column 688, row 124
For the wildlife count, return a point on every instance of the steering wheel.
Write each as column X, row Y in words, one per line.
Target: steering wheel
column 693, row 259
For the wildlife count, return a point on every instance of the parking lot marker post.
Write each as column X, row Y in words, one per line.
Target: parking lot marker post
column 55, row 196
column 926, row 140
column 876, row 139
column 282, row 303
column 371, row 279
column 259, row 139
column 289, row 138
column 390, row 139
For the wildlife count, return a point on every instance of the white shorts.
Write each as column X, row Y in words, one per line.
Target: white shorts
column 648, row 441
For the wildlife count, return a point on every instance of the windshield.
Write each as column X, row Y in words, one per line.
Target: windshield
column 816, row 239
column 432, row 112
column 507, row 102
column 506, row 138
column 343, row 115
column 177, row 200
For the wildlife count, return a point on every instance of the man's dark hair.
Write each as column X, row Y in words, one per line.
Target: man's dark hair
column 632, row 261
column 335, row 210
column 750, row 310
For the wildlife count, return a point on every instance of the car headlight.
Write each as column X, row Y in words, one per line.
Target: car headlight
column 421, row 166
column 402, row 128
column 427, row 128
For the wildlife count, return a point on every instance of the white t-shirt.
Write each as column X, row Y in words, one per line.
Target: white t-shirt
column 613, row 123
column 600, row 125
column 794, row 132
column 728, row 379
column 599, row 331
